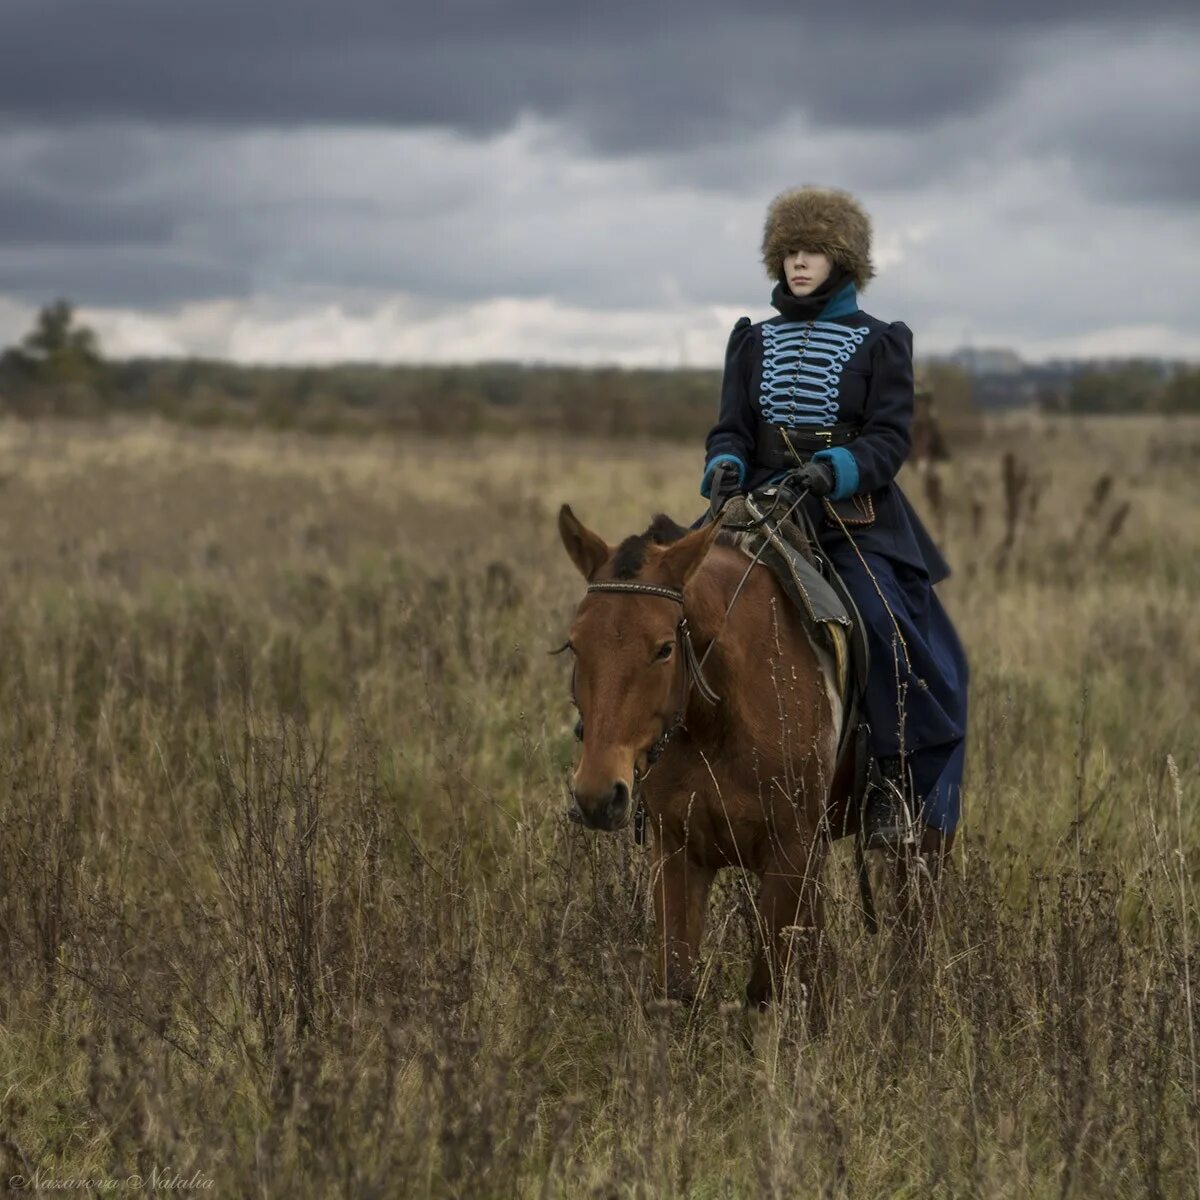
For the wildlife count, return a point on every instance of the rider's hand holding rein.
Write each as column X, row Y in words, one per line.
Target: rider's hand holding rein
column 817, row 477
column 726, row 483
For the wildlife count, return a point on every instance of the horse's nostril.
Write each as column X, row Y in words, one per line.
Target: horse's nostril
column 618, row 800
column 579, row 730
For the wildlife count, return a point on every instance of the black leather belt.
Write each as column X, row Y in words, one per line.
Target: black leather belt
column 778, row 447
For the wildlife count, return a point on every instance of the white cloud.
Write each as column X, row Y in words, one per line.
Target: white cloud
column 396, row 330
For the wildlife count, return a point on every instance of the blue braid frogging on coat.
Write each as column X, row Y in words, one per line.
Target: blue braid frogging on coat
column 801, row 368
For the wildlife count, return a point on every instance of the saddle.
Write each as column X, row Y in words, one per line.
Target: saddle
column 788, row 546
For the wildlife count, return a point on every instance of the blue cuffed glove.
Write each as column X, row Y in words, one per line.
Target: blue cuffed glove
column 726, row 482
column 721, row 460
column 844, row 466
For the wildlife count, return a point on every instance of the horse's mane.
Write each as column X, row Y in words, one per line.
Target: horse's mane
column 630, row 556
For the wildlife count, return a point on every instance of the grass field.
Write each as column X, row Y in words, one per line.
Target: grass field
column 289, row 905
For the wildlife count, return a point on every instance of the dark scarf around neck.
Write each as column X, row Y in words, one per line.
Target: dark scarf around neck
column 808, row 308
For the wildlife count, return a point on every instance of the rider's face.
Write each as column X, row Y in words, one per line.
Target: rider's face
column 805, row 271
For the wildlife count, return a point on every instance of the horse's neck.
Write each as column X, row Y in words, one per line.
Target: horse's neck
column 726, row 573
column 721, row 634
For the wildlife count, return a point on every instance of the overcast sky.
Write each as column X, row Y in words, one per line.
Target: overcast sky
column 315, row 181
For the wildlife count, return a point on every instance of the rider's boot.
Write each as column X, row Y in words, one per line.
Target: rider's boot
column 887, row 821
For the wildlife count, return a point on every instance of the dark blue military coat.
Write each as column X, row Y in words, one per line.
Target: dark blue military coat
column 847, row 367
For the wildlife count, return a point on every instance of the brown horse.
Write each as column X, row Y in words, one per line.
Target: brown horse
column 743, row 778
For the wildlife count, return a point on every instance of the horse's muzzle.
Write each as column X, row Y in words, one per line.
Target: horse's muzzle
column 609, row 812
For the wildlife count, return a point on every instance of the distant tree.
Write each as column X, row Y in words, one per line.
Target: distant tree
column 56, row 368
column 57, row 350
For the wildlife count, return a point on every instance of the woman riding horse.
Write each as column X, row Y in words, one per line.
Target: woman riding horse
column 701, row 690
column 825, row 389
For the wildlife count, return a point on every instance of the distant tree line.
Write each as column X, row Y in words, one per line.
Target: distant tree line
column 1136, row 385
column 58, row 368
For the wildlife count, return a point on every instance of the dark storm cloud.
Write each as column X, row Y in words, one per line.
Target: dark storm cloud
column 137, row 275
column 31, row 218
column 630, row 75
column 1132, row 159
column 133, row 169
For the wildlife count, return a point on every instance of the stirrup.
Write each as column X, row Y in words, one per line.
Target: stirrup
column 887, row 822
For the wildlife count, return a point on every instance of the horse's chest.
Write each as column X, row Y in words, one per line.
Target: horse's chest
column 725, row 820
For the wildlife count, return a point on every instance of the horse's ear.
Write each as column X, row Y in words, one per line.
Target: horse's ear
column 682, row 559
column 588, row 550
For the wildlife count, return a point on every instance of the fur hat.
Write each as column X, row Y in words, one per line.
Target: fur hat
column 826, row 220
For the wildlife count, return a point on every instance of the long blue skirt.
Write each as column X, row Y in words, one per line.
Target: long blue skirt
column 916, row 695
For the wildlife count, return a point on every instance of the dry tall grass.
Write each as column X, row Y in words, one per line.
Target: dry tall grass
column 288, row 897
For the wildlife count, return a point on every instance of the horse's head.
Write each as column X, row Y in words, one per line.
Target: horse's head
column 630, row 680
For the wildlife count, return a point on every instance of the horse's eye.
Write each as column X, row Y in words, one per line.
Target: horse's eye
column 664, row 651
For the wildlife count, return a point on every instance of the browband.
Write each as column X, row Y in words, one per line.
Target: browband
column 646, row 589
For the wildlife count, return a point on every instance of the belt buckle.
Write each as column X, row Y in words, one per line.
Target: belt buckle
column 827, row 434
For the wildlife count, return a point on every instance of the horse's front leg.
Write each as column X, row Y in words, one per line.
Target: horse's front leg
column 792, row 917
column 681, row 889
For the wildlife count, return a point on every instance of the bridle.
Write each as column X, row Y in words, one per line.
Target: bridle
column 693, row 674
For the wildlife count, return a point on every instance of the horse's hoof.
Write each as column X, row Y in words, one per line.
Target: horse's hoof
column 683, row 996
column 746, row 1033
column 666, row 1006
column 757, row 1001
